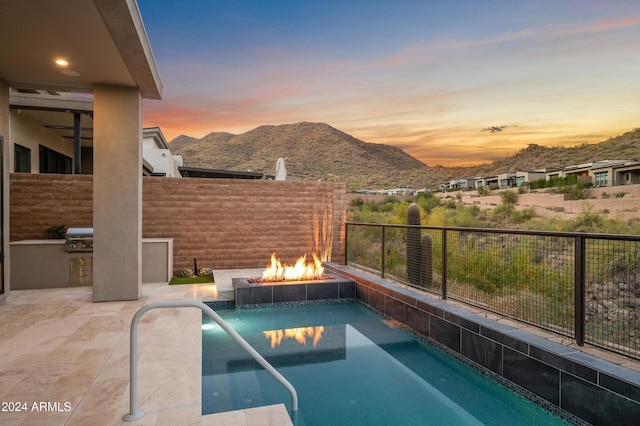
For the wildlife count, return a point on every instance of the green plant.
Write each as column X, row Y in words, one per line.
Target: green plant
column 185, row 273
column 605, row 195
column 427, row 202
column 573, row 191
column 450, row 204
column 620, row 194
column 483, row 191
column 55, row 232
column 509, row 197
column 413, row 244
column 356, row 202
column 191, row 280
column 206, row 272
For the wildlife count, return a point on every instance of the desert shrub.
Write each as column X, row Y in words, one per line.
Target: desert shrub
column 427, row 202
column 620, row 194
column 468, row 217
column 574, row 191
column 605, row 195
column 587, row 222
column 356, row 202
column 503, row 211
column 539, row 184
column 450, row 204
column 509, row 197
column 521, row 216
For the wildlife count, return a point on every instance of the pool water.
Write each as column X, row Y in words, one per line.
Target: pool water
column 350, row 367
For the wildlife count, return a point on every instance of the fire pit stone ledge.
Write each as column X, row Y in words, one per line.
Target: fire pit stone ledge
column 335, row 287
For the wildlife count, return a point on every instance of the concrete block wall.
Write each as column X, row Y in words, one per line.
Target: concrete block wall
column 223, row 223
column 40, row 201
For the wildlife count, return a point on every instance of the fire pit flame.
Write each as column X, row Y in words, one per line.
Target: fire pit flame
column 302, row 270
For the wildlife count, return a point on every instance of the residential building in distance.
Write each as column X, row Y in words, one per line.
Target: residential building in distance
column 599, row 173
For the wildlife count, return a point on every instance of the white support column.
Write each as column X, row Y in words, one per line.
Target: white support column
column 117, row 193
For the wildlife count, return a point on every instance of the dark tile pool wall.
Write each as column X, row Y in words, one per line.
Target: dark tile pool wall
column 255, row 295
column 563, row 379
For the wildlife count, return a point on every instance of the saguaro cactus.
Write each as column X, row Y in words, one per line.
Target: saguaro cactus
column 419, row 251
column 413, row 245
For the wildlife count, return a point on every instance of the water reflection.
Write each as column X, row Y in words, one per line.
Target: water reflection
column 299, row 334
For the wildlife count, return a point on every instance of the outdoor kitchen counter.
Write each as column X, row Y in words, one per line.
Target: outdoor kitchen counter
column 38, row 264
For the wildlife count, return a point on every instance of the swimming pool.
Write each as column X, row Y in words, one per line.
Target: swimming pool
column 351, row 367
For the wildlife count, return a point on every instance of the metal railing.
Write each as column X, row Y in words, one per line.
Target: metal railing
column 135, row 414
column 583, row 286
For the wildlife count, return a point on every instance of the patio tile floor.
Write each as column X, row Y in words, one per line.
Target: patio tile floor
column 67, row 359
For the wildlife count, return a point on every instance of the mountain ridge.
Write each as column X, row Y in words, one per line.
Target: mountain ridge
column 312, row 151
column 318, row 151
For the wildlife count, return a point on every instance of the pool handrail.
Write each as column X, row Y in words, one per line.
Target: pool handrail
column 135, row 414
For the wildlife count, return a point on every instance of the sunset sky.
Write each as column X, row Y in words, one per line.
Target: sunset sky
column 426, row 75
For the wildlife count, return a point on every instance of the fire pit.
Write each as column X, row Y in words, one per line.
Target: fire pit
column 303, row 282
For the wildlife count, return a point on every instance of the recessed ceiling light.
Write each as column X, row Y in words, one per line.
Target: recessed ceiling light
column 62, row 62
column 71, row 73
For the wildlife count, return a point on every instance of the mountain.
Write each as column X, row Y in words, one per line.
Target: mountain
column 312, row 151
column 622, row 147
column 317, row 151
column 182, row 141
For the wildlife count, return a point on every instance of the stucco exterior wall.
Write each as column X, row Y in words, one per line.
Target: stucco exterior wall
column 31, row 134
column 223, row 223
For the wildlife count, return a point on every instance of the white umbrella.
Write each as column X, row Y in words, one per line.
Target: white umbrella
column 281, row 170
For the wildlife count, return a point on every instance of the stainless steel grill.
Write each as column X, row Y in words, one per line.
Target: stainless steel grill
column 79, row 240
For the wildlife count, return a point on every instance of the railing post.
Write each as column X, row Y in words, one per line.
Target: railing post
column 346, row 243
column 579, row 321
column 444, row 264
column 382, row 259
column 134, row 414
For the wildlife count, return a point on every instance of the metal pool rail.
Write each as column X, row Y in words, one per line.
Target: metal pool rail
column 136, row 414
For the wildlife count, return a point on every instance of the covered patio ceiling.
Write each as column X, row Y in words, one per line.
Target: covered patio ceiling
column 102, row 42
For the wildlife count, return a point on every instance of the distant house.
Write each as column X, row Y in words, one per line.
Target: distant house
column 526, row 176
column 599, row 173
column 486, row 182
column 550, row 173
column 506, row 180
column 585, row 174
column 157, row 157
column 457, row 184
column 397, row 191
column 613, row 174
